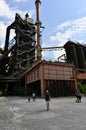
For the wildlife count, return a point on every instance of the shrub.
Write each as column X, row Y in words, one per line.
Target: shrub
column 0, row 93
column 82, row 87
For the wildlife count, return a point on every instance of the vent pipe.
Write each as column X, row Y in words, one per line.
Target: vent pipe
column 38, row 24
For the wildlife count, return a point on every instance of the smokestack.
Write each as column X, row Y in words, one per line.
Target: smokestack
column 38, row 24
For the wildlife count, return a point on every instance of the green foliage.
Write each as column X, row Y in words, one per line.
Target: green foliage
column 0, row 93
column 82, row 87
column 19, row 91
column 85, row 62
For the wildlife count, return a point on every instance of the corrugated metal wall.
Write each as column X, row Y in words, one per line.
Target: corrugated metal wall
column 58, row 78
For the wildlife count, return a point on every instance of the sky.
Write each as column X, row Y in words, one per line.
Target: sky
column 63, row 20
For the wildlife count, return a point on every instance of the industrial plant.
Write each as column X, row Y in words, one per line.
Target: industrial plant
column 22, row 70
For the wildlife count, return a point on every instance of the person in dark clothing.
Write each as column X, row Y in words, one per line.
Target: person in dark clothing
column 28, row 99
column 47, row 99
column 78, row 95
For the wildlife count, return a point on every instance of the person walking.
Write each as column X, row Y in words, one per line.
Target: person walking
column 78, row 95
column 34, row 97
column 47, row 99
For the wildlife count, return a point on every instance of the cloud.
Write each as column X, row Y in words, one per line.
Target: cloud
column 8, row 12
column 74, row 30
column 5, row 10
column 7, row 16
column 2, row 34
column 20, row 1
column 82, row 11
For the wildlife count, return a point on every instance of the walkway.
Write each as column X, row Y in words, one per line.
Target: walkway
column 16, row 113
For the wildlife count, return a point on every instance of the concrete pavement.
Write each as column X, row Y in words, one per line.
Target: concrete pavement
column 16, row 113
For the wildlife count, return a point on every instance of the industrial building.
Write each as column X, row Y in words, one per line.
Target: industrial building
column 22, row 67
column 59, row 78
column 19, row 53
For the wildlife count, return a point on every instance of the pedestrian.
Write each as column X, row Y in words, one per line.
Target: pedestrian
column 28, row 99
column 33, row 97
column 47, row 99
column 78, row 95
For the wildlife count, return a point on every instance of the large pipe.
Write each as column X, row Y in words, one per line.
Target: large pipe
column 38, row 24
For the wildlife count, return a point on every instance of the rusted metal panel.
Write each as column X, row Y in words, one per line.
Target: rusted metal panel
column 33, row 75
column 81, row 76
column 58, row 72
column 53, row 76
column 50, row 71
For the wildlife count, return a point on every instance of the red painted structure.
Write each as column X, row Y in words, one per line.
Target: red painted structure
column 81, row 76
column 58, row 78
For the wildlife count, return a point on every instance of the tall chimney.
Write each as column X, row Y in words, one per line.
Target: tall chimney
column 38, row 24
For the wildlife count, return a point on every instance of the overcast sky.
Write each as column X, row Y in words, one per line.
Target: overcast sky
column 62, row 19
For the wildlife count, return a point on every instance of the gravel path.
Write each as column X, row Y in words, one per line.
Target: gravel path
column 16, row 113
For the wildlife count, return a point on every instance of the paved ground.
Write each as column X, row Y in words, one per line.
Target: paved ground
column 16, row 113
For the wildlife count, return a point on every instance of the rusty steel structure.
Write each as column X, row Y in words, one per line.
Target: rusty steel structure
column 76, row 54
column 59, row 78
column 19, row 53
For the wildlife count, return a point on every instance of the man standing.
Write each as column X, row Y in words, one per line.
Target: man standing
column 47, row 99
column 34, row 97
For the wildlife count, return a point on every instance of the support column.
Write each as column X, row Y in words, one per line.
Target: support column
column 42, row 82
